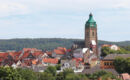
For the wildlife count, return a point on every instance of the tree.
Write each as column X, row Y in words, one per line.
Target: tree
column 67, row 71
column 51, row 70
column 58, row 66
column 47, row 76
column 72, row 76
column 122, row 65
column 105, row 51
column 83, row 77
column 27, row 74
column 8, row 73
column 60, row 76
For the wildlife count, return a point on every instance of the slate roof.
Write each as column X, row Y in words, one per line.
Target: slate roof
column 78, row 53
column 71, row 62
column 97, row 68
column 113, row 56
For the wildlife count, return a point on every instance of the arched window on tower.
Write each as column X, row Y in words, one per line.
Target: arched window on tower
column 93, row 33
column 87, row 33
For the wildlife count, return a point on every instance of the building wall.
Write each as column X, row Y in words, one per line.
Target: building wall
column 86, row 55
column 107, row 64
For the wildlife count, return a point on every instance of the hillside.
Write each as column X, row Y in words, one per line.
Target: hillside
column 46, row 43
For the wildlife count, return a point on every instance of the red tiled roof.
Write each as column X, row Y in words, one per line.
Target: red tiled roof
column 78, row 59
column 125, row 76
column 3, row 55
column 37, row 53
column 1, row 60
column 27, row 62
column 59, row 51
column 15, row 55
column 62, row 48
column 30, row 49
column 49, row 53
column 68, row 50
column 106, row 45
column 26, row 54
column 34, row 61
column 50, row 60
column 94, row 59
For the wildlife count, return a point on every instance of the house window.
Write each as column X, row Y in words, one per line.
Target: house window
column 105, row 64
column 111, row 63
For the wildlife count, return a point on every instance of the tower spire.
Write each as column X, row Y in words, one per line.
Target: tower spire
column 90, row 14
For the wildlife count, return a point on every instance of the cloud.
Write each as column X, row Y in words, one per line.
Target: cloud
column 42, row 18
column 77, row 4
column 21, row 7
column 12, row 8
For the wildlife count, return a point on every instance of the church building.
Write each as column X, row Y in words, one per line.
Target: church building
column 91, row 35
column 88, row 48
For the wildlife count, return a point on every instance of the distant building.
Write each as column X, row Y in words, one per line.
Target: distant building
column 112, row 47
column 50, row 61
column 59, row 52
column 91, row 35
column 125, row 76
column 68, row 64
column 107, row 62
column 91, row 38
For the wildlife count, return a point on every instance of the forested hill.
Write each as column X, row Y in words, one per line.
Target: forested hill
column 46, row 43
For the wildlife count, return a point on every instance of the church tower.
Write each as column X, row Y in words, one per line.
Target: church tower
column 91, row 35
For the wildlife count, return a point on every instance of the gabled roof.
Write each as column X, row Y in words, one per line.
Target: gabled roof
column 50, row 60
column 113, row 56
column 37, row 53
column 27, row 62
column 62, row 48
column 34, row 61
column 59, row 51
column 25, row 55
column 49, row 52
column 3, row 55
column 78, row 59
column 15, row 55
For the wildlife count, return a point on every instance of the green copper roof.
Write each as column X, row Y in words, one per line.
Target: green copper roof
column 90, row 22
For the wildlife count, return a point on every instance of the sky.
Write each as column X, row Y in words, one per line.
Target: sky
column 64, row 18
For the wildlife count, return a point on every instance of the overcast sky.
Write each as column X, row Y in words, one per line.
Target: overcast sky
column 64, row 18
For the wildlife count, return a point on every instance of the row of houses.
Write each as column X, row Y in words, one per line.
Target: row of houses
column 81, row 60
column 37, row 59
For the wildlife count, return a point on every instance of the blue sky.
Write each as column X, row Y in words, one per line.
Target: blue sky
column 64, row 18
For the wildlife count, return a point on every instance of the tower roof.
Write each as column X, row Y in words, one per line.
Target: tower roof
column 91, row 22
column 90, row 18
